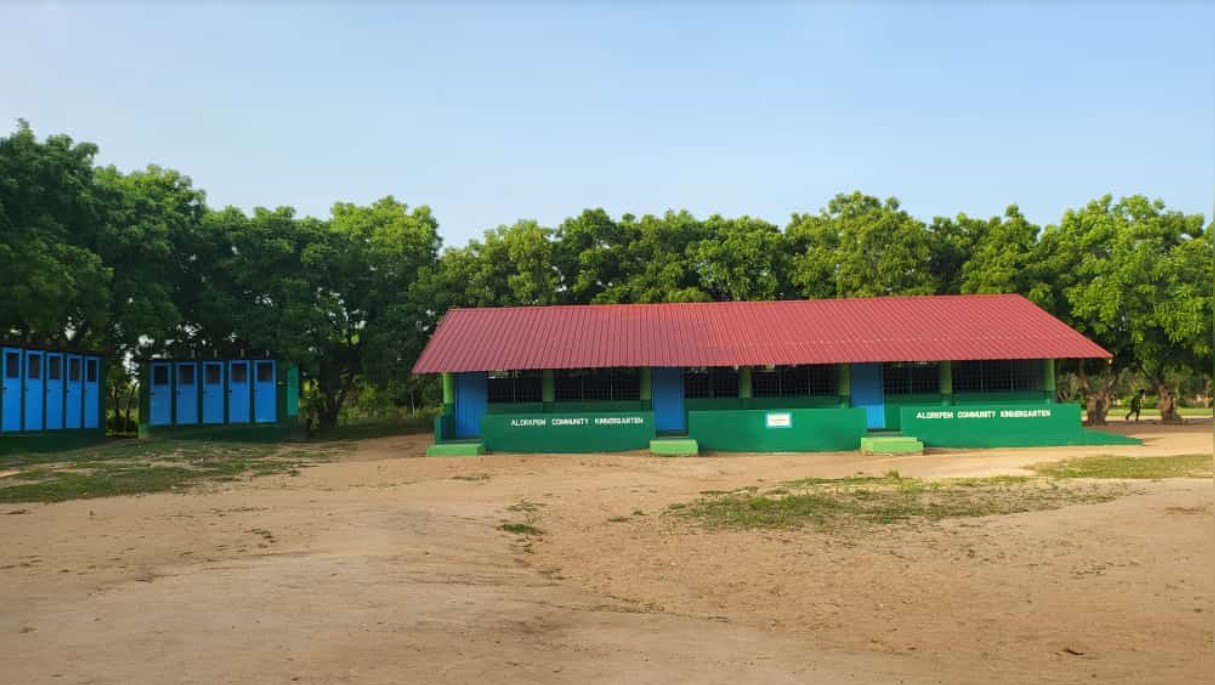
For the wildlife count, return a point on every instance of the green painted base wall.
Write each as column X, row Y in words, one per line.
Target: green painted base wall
column 811, row 430
column 245, row 432
column 896, row 403
column 49, row 441
column 994, row 425
column 601, row 431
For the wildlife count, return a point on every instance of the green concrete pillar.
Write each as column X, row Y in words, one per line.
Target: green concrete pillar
column 548, row 387
column 449, row 392
column 845, row 384
column 946, row 383
column 645, row 380
column 1048, row 379
column 744, row 382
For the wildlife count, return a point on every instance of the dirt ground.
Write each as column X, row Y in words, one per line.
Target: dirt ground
column 387, row 568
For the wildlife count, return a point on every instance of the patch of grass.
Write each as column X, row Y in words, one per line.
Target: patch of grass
column 849, row 503
column 521, row 529
column 135, row 467
column 1104, row 466
column 618, row 519
column 526, row 507
column 471, row 476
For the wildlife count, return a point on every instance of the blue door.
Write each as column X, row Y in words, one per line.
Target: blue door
column 34, row 390
column 213, row 392
column 73, row 393
column 92, row 392
column 11, row 382
column 667, row 393
column 187, row 393
column 265, row 399
column 238, row 392
column 160, row 396
column 472, row 397
column 867, row 392
column 54, row 391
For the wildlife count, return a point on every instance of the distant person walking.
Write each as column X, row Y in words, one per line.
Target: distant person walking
column 1136, row 405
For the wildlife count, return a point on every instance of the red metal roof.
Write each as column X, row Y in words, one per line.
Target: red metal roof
column 888, row 329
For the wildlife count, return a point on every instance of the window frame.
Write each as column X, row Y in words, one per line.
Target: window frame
column 608, row 384
column 518, row 386
column 717, row 382
column 912, row 382
column 796, row 380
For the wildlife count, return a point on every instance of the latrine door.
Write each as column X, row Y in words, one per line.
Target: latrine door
column 187, row 393
column 161, row 397
column 239, row 395
column 54, row 391
column 73, row 393
column 10, row 380
column 92, row 392
column 35, row 389
column 265, row 396
column 213, row 392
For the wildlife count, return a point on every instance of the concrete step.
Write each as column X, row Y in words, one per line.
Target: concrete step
column 893, row 444
column 456, row 449
column 674, row 447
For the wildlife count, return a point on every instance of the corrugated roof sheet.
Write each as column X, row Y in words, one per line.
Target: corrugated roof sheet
column 888, row 329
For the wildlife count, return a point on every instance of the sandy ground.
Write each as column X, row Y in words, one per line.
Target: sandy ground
column 386, row 568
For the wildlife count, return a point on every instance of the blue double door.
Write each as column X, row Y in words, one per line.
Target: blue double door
column 472, row 397
column 666, row 388
column 868, row 392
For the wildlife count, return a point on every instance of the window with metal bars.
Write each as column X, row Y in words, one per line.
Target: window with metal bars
column 508, row 387
column 795, row 381
column 997, row 375
column 717, row 381
column 576, row 385
column 911, row 378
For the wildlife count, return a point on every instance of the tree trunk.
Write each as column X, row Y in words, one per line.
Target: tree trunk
column 1096, row 397
column 1167, row 403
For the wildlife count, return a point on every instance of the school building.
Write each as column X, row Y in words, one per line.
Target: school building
column 885, row 375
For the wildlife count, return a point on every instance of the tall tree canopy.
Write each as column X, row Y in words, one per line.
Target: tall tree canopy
column 136, row 264
column 860, row 246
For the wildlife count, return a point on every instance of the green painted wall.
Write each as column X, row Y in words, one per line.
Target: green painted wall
column 994, row 425
column 293, row 389
column 810, row 430
column 895, row 403
column 604, row 431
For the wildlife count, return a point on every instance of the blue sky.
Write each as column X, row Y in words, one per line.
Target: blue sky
column 492, row 113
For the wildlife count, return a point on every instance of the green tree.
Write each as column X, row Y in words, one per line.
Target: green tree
column 589, row 252
column 1001, row 259
column 1136, row 278
column 860, row 246
column 656, row 266
column 55, row 288
column 741, row 259
column 147, row 220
